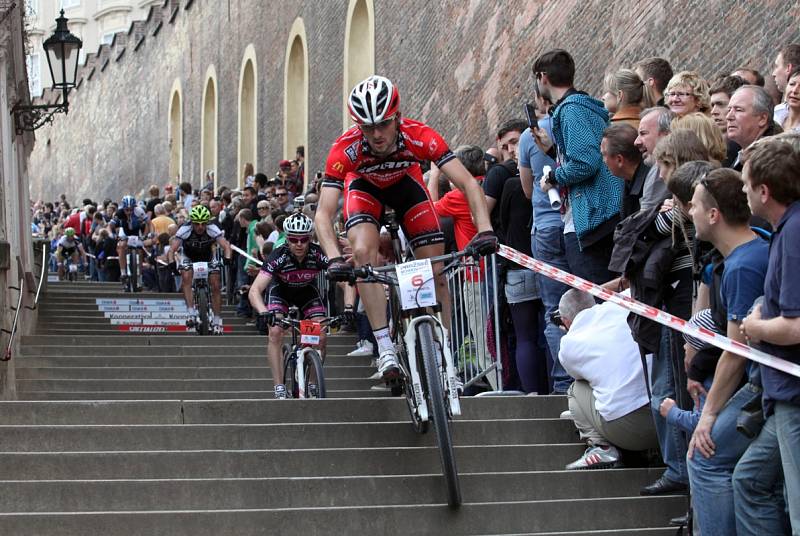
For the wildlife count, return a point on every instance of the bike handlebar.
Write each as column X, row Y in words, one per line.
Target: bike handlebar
column 385, row 274
column 327, row 323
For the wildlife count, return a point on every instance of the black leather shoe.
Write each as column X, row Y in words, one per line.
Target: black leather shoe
column 663, row 486
column 681, row 521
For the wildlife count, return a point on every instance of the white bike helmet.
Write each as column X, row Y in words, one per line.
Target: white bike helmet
column 373, row 100
column 298, row 224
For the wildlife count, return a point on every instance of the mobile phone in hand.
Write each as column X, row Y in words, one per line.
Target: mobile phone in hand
column 530, row 113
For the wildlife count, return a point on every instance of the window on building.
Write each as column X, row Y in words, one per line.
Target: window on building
column 107, row 37
column 34, row 80
column 66, row 4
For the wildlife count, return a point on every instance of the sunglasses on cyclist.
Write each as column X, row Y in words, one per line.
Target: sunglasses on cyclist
column 383, row 124
column 298, row 239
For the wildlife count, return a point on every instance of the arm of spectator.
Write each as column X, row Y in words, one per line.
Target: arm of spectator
column 582, row 160
column 433, row 182
column 780, row 330
column 663, row 223
column 727, row 377
column 465, row 182
column 526, row 178
column 683, row 419
column 703, row 300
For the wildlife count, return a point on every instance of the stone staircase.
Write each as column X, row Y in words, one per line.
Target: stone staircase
column 176, row 434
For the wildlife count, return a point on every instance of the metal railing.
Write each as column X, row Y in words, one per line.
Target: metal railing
column 21, row 289
column 473, row 294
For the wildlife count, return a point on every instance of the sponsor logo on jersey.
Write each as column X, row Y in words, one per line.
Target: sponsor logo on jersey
column 352, row 152
column 415, row 142
column 338, row 166
column 433, row 146
column 387, row 166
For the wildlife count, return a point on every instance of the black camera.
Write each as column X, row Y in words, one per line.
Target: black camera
column 555, row 318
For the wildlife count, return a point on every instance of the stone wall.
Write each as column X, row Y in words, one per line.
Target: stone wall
column 463, row 66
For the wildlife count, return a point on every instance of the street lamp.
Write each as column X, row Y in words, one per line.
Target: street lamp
column 62, row 50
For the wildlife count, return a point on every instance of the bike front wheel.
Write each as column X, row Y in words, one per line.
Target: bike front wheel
column 434, row 395
column 202, row 311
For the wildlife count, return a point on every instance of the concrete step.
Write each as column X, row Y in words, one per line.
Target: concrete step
column 177, row 385
column 303, row 492
column 254, row 358
column 375, row 391
column 189, row 340
column 478, row 518
column 252, row 436
column 281, row 462
column 190, row 345
column 182, row 373
column 263, row 411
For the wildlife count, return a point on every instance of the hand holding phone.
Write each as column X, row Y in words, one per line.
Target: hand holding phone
column 542, row 139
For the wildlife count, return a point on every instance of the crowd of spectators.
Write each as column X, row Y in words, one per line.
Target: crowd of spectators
column 681, row 189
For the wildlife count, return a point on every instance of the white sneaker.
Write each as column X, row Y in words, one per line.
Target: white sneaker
column 363, row 349
column 377, row 376
column 388, row 366
column 598, row 457
column 566, row 415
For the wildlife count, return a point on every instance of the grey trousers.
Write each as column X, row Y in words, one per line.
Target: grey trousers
column 634, row 431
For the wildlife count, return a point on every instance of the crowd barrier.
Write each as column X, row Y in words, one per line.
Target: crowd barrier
column 473, row 295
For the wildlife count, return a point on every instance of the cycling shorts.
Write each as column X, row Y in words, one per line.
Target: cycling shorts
column 364, row 202
column 65, row 253
column 307, row 299
column 186, row 264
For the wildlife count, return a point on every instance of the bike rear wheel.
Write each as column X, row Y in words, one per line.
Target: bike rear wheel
column 202, row 311
column 313, row 362
column 438, row 411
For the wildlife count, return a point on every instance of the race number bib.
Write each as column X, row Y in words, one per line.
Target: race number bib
column 416, row 284
column 310, row 332
column 199, row 270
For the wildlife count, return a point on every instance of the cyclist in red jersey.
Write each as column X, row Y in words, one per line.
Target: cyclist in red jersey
column 376, row 163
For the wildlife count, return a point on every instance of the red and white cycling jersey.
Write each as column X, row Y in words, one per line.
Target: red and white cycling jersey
column 416, row 142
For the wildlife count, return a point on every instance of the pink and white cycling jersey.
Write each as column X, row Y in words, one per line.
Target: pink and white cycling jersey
column 287, row 271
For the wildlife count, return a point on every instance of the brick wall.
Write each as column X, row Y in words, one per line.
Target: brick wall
column 463, row 66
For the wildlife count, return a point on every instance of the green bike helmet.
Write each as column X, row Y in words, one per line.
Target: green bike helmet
column 200, row 214
column 69, row 231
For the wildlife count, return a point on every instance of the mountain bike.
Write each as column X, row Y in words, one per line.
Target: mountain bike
column 303, row 373
column 429, row 380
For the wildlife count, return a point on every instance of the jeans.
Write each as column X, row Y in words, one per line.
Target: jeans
column 787, row 426
column 548, row 246
column 711, row 478
column 671, row 439
column 591, row 263
column 758, row 487
column 243, row 308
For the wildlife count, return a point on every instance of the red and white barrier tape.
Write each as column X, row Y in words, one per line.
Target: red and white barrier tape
column 662, row 317
column 243, row 252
